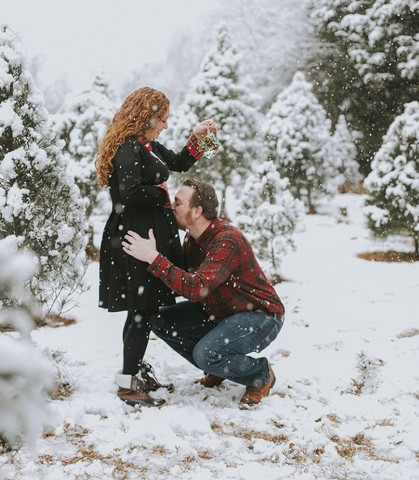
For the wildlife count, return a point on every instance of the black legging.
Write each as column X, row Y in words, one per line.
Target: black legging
column 135, row 337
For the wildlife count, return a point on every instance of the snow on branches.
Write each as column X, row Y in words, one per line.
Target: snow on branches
column 381, row 36
column 298, row 137
column 393, row 184
column 82, row 125
column 218, row 93
column 39, row 202
column 269, row 215
column 24, row 374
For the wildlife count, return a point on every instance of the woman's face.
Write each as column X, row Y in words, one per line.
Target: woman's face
column 152, row 133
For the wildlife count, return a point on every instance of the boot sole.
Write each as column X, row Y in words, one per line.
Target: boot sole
column 170, row 388
column 140, row 403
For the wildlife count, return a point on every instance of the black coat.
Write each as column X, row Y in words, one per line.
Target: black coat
column 125, row 283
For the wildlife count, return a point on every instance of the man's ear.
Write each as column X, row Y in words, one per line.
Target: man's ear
column 198, row 212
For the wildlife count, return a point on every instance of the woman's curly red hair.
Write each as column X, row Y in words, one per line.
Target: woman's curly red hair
column 140, row 111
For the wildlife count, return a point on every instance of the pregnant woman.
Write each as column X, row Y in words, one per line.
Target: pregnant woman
column 135, row 167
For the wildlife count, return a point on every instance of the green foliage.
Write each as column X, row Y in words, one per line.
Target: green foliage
column 366, row 66
column 393, row 184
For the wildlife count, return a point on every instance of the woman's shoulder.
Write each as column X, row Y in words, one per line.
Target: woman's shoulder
column 130, row 146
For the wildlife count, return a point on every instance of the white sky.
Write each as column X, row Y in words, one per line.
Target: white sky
column 79, row 37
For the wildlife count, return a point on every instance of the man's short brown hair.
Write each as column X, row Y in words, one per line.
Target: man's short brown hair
column 203, row 196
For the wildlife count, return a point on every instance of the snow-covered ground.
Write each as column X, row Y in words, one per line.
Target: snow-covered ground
column 345, row 405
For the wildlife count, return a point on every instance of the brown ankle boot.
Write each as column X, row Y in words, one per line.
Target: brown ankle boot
column 133, row 391
column 254, row 395
column 210, row 381
column 136, row 397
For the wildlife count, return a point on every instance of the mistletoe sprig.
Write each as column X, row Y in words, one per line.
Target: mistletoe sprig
column 209, row 144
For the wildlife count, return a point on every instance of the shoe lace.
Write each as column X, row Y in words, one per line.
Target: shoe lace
column 147, row 372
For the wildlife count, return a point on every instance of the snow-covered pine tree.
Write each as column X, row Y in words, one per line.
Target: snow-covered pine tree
column 269, row 215
column 368, row 58
column 39, row 202
column 23, row 372
column 393, row 184
column 298, row 138
column 344, row 151
column 82, row 125
column 217, row 93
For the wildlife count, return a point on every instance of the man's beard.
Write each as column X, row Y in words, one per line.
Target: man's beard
column 186, row 223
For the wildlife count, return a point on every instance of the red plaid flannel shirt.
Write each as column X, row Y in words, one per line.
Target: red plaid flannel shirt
column 224, row 274
column 194, row 149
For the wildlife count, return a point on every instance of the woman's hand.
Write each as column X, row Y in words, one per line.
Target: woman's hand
column 201, row 130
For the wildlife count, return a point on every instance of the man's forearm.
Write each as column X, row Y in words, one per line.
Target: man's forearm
column 189, row 285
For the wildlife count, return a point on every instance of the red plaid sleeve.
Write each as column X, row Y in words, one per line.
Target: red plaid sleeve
column 193, row 146
column 216, row 269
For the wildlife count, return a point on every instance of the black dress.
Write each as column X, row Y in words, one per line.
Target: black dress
column 138, row 205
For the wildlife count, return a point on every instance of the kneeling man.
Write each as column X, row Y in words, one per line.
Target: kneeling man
column 231, row 309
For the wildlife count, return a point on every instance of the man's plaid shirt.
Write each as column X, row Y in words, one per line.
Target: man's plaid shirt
column 223, row 273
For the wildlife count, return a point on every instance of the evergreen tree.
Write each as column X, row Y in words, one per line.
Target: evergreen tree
column 298, row 140
column 217, row 93
column 82, row 126
column 368, row 62
column 23, row 372
column 269, row 216
column 393, row 184
column 39, row 202
column 344, row 152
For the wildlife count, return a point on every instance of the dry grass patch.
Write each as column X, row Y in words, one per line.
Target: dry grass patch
column 333, row 418
column 86, row 453
column 279, row 394
column 47, row 433
column 250, row 434
column 412, row 332
column 284, row 353
column 160, row 450
column 216, row 426
column 359, row 443
column 303, row 456
column 61, row 390
column 278, row 439
column 278, row 424
column 75, row 434
column 54, row 321
column 390, row 256
column 205, row 455
column 385, row 423
column 189, row 459
column 349, row 447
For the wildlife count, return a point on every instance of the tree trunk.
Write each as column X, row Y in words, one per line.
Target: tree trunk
column 311, row 206
column 92, row 252
column 223, row 209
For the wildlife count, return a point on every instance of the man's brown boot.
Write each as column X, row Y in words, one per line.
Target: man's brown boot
column 210, row 381
column 254, row 395
column 133, row 391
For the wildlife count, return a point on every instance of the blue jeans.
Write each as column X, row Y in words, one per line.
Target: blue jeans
column 219, row 347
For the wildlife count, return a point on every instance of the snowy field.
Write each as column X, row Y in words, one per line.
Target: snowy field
column 345, row 405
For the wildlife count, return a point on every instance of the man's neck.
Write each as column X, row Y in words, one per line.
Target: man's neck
column 195, row 231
